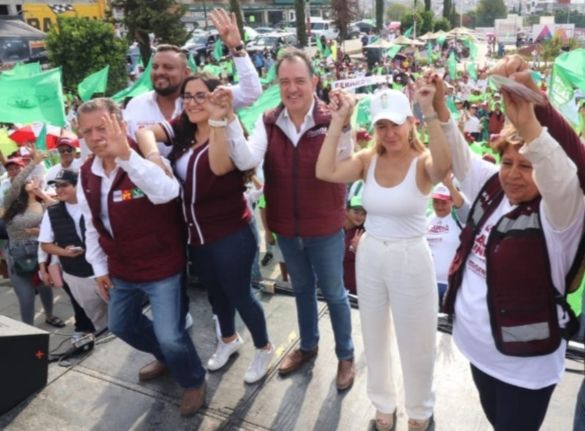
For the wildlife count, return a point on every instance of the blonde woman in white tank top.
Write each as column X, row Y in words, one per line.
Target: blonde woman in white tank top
column 394, row 270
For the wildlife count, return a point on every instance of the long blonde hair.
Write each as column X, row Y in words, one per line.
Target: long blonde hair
column 413, row 140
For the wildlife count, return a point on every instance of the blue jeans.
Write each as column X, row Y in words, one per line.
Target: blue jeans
column 165, row 335
column 224, row 268
column 309, row 259
column 579, row 421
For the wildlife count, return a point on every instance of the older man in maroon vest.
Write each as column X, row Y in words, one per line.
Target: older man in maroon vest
column 306, row 214
column 136, row 246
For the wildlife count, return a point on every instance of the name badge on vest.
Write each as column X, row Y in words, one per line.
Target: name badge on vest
column 127, row 194
column 316, row 132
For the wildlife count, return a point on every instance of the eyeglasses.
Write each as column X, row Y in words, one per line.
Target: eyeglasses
column 67, row 150
column 198, row 98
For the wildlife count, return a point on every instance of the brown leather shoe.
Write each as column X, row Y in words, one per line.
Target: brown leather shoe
column 345, row 374
column 193, row 400
column 152, row 371
column 295, row 359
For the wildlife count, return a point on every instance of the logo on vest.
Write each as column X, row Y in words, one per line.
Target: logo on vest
column 127, row 194
column 316, row 132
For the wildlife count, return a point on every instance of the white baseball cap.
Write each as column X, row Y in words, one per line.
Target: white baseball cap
column 390, row 105
column 441, row 192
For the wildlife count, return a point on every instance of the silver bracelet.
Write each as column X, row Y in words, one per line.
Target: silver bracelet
column 429, row 118
column 217, row 123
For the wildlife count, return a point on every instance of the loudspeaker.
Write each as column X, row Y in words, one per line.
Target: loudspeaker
column 23, row 361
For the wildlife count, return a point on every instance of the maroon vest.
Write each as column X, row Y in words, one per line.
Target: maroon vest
column 521, row 296
column 148, row 242
column 297, row 203
column 214, row 206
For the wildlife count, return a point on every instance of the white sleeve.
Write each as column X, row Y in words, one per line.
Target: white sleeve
column 249, row 88
column 42, row 256
column 46, row 234
column 94, row 253
column 247, row 154
column 150, row 178
column 556, row 177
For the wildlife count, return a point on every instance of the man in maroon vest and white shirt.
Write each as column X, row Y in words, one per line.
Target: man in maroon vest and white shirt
column 136, row 246
column 306, row 214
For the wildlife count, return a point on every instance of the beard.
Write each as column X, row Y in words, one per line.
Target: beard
column 167, row 91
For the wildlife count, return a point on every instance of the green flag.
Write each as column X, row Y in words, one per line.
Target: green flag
column 25, row 70
column 452, row 108
column 452, row 65
column 568, row 75
column 408, row 32
column 191, row 63
column 41, row 143
column 94, row 83
column 429, row 52
column 141, row 86
column 441, row 39
column 393, row 50
column 269, row 99
column 35, row 98
column 270, row 76
column 472, row 70
column 217, row 50
column 362, row 113
column 319, row 45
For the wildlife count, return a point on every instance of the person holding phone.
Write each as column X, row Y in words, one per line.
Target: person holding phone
column 62, row 234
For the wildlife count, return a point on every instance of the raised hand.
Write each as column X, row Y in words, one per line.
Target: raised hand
column 341, row 106
column 227, row 27
column 521, row 115
column 425, row 95
column 220, row 104
column 116, row 136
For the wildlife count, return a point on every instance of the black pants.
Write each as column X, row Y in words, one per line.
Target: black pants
column 82, row 322
column 509, row 407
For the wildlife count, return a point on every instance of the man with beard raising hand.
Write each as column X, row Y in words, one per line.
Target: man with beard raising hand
column 170, row 68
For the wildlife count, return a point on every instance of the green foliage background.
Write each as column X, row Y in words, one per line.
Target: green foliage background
column 82, row 46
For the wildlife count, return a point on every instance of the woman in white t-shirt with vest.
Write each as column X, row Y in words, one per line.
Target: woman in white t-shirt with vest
column 394, row 269
column 507, row 282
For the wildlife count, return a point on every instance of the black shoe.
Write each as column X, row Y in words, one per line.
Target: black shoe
column 266, row 259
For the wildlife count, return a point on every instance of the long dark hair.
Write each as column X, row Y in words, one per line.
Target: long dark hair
column 186, row 129
column 18, row 206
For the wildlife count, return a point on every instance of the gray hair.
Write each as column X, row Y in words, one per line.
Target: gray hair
column 101, row 103
column 291, row 54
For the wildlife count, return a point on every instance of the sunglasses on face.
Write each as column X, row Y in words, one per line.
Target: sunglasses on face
column 198, row 98
column 67, row 150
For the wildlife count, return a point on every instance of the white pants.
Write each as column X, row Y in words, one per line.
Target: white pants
column 396, row 278
column 85, row 291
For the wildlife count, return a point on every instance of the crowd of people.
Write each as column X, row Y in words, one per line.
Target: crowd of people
column 406, row 209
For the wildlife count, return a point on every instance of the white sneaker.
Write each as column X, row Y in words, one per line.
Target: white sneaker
column 223, row 352
column 259, row 366
column 188, row 321
column 217, row 327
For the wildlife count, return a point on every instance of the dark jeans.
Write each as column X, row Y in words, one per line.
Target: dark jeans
column 509, row 407
column 165, row 335
column 224, row 268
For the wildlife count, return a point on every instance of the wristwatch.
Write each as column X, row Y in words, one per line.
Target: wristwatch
column 239, row 51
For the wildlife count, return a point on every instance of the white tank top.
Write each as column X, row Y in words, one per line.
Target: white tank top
column 394, row 212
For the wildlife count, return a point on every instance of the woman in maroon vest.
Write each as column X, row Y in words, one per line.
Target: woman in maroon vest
column 220, row 237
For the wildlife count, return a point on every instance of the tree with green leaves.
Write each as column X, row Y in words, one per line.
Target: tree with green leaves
column 447, row 6
column 343, row 12
column 489, row 10
column 160, row 17
column 442, row 24
column 301, row 22
column 396, row 11
column 407, row 21
column 427, row 5
column 427, row 24
column 82, row 46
